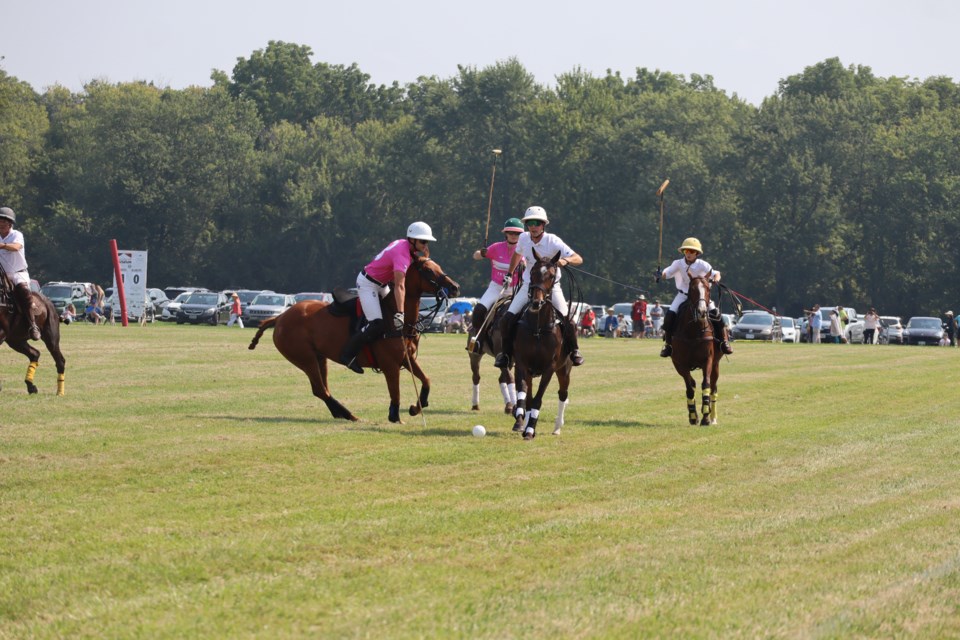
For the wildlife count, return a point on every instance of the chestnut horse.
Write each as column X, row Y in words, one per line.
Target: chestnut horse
column 308, row 334
column 488, row 343
column 693, row 348
column 14, row 328
column 539, row 350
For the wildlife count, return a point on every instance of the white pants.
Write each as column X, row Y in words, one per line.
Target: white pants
column 234, row 318
column 680, row 299
column 370, row 295
column 19, row 277
column 523, row 297
column 491, row 295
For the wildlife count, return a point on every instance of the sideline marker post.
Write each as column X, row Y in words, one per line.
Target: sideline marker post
column 121, row 295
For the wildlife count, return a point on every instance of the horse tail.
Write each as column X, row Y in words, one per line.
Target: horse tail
column 266, row 324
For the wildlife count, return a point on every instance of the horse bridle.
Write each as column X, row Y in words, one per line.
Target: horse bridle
column 547, row 298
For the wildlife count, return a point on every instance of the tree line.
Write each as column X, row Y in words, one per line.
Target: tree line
column 840, row 188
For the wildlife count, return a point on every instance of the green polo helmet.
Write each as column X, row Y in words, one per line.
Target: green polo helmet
column 513, row 224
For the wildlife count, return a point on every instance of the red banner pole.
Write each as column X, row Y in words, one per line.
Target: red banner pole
column 121, row 296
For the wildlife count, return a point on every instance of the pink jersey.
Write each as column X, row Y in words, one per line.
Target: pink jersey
column 499, row 254
column 396, row 257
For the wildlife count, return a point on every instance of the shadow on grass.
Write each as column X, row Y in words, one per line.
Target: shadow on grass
column 620, row 423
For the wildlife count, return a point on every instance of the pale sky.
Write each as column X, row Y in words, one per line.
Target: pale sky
column 746, row 45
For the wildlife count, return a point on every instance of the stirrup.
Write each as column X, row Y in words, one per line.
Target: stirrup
column 576, row 358
column 353, row 365
column 34, row 332
column 666, row 351
column 725, row 347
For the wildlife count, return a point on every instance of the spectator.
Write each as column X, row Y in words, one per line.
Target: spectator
column 587, row 322
column 609, row 326
column 622, row 327
column 94, row 309
column 454, row 322
column 638, row 313
column 836, row 330
column 844, row 320
column 815, row 324
column 648, row 329
column 656, row 315
column 236, row 310
column 871, row 322
column 69, row 313
column 951, row 328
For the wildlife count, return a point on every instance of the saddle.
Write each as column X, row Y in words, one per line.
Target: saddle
column 346, row 304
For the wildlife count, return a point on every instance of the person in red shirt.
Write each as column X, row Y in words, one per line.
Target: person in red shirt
column 639, row 316
column 235, row 310
column 586, row 322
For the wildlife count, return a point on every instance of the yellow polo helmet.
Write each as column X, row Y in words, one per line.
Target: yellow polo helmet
column 691, row 243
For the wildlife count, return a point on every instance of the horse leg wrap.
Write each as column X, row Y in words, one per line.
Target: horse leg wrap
column 60, row 382
column 558, row 423
column 505, row 392
column 692, row 410
column 530, row 431
column 513, row 392
column 31, row 370
column 705, row 408
column 394, row 413
column 476, row 395
column 713, row 408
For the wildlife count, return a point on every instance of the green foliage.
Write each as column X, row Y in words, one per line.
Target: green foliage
column 291, row 174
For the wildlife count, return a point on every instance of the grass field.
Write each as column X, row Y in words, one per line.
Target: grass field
column 188, row 487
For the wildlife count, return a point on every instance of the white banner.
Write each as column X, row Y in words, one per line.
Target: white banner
column 133, row 270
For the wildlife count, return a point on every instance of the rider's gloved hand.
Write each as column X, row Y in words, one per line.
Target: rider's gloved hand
column 483, row 252
column 398, row 321
column 657, row 274
column 507, row 279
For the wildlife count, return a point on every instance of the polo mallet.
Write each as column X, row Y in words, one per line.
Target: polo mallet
column 413, row 379
column 493, row 176
column 660, row 191
column 472, row 342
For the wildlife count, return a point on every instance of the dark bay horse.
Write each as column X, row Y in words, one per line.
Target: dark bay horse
column 308, row 334
column 693, row 348
column 14, row 329
column 539, row 350
column 488, row 342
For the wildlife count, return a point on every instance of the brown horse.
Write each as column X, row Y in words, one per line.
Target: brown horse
column 539, row 350
column 489, row 343
column 308, row 334
column 693, row 348
column 14, row 328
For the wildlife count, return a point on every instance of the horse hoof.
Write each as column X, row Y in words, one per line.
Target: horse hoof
column 556, row 431
column 529, row 434
column 475, row 407
column 508, row 409
column 693, row 421
column 705, row 422
column 518, row 426
column 31, row 388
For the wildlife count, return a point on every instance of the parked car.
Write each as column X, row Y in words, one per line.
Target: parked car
column 788, row 330
column 169, row 313
column 159, row 299
column 204, row 307
column 63, row 293
column 427, row 306
column 757, row 325
column 923, row 331
column 309, row 295
column 266, row 305
column 825, row 324
column 891, row 330
column 173, row 292
column 854, row 332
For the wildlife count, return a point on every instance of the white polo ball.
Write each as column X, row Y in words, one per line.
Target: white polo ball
column 479, row 431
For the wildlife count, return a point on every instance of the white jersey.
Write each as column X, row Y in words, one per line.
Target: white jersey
column 13, row 261
column 681, row 272
column 548, row 246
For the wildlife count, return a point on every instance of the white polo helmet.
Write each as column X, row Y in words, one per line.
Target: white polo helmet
column 420, row 231
column 536, row 213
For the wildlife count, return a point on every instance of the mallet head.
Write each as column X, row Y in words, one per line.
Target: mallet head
column 663, row 187
column 497, row 152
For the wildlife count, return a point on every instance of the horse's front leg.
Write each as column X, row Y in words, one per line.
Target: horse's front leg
column 33, row 355
column 392, row 375
column 563, row 378
column 418, row 372
column 475, row 370
column 530, row 431
column 714, row 377
column 508, row 390
column 524, row 383
column 691, row 398
column 705, row 407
